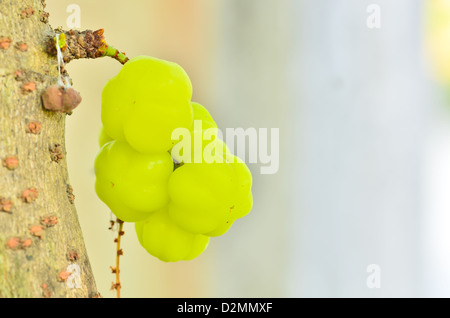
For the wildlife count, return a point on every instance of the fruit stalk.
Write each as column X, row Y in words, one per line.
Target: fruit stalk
column 119, row 252
column 84, row 44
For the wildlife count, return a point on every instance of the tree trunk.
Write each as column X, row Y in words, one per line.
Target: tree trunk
column 40, row 235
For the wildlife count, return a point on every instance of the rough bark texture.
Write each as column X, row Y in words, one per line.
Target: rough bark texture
column 35, row 248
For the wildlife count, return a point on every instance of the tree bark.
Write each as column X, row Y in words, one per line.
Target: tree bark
column 40, row 235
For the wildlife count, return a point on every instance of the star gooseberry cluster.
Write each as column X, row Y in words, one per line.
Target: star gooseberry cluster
column 177, row 203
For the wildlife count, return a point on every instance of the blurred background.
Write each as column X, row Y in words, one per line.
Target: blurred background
column 360, row 92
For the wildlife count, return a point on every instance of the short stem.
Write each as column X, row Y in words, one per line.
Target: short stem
column 118, row 253
column 115, row 54
column 85, row 44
